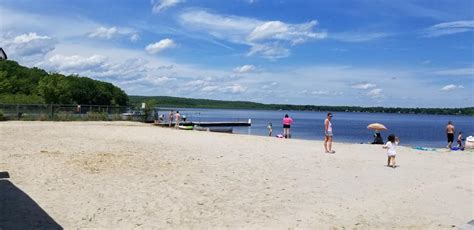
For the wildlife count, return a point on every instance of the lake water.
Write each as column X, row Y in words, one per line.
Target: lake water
column 413, row 129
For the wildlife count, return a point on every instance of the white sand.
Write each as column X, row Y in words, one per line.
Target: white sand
column 131, row 175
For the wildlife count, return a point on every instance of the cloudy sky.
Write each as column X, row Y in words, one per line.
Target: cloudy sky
column 329, row 52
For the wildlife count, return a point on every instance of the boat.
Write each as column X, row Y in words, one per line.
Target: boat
column 185, row 127
column 200, row 128
column 221, row 129
column 214, row 129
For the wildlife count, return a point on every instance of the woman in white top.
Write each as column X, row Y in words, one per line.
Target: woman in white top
column 391, row 147
column 328, row 134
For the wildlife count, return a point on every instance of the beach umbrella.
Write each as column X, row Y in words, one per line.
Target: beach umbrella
column 376, row 126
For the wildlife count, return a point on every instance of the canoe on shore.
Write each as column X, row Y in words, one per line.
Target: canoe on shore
column 214, row 129
column 185, row 127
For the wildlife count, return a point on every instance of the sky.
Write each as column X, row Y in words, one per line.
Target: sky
column 387, row 53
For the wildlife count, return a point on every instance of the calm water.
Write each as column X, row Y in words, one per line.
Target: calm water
column 413, row 130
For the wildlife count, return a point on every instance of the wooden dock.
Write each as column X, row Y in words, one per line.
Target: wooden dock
column 209, row 124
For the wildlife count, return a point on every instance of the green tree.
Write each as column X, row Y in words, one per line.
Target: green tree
column 5, row 86
column 54, row 89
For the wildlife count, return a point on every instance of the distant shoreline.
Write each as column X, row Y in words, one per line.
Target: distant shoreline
column 178, row 102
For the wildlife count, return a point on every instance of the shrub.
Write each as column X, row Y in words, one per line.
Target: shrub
column 64, row 116
column 2, row 118
column 93, row 116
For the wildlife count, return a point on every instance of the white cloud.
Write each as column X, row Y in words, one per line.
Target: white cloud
column 150, row 80
column 375, row 93
column 324, row 93
column 103, row 32
column 196, row 83
column 469, row 71
column 447, row 28
column 236, row 88
column 451, row 87
column 359, row 36
column 209, row 85
column 121, row 65
column 269, row 39
column 76, row 62
column 270, row 51
column 363, row 86
column 114, row 32
column 270, row 85
column 320, row 92
column 160, row 46
column 277, row 30
column 244, row 69
column 29, row 44
column 161, row 5
column 210, row 88
column 134, row 37
column 64, row 26
column 268, row 30
column 99, row 66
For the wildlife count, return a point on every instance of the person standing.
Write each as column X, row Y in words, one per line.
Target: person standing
column 170, row 118
column 391, row 147
column 460, row 140
column 270, row 129
column 177, row 119
column 450, row 134
column 328, row 134
column 287, row 121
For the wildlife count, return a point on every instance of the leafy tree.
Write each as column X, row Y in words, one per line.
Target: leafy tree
column 19, row 84
column 5, row 86
column 55, row 89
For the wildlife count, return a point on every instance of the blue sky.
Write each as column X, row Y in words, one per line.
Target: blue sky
column 329, row 52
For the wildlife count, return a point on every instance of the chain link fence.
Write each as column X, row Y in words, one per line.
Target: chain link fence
column 67, row 112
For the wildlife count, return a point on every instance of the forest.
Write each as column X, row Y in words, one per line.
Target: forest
column 23, row 85
column 177, row 102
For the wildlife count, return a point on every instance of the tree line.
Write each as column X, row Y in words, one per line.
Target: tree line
column 163, row 101
column 23, row 85
column 19, row 84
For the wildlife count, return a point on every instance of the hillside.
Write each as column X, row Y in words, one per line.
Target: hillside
column 163, row 101
column 20, row 84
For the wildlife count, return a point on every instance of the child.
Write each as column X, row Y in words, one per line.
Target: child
column 460, row 140
column 391, row 146
column 270, row 129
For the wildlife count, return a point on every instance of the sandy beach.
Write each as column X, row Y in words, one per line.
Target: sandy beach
column 131, row 175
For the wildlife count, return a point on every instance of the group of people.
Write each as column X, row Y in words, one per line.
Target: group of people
column 288, row 121
column 450, row 131
column 391, row 144
column 172, row 116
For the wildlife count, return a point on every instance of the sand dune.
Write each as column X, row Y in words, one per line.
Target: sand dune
column 132, row 175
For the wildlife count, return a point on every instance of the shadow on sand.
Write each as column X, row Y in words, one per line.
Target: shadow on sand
column 19, row 211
